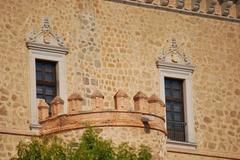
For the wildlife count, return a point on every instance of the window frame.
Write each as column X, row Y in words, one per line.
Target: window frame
column 43, row 81
column 60, row 80
column 185, row 74
column 180, row 100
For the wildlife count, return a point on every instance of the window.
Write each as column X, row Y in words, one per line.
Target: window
column 176, row 71
column 175, row 109
column 47, row 76
column 46, row 80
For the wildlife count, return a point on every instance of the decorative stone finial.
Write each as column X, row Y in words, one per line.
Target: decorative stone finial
column 140, row 102
column 42, row 110
column 57, row 106
column 121, row 101
column 74, row 103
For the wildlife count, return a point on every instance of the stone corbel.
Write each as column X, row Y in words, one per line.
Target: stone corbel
column 196, row 5
column 226, row 5
column 238, row 9
column 164, row 2
column 179, row 4
column 211, row 6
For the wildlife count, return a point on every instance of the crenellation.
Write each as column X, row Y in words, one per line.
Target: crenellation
column 115, row 46
column 57, row 106
column 97, row 99
column 121, row 100
column 43, row 110
column 75, row 103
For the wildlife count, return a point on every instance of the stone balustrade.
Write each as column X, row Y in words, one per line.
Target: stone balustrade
column 121, row 115
column 220, row 9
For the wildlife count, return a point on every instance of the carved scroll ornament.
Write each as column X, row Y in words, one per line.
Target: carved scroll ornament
column 173, row 55
column 46, row 35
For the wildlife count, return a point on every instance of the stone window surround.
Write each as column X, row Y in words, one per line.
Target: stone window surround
column 61, row 80
column 46, row 45
column 181, row 72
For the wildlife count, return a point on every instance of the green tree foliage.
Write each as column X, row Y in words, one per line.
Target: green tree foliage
column 90, row 147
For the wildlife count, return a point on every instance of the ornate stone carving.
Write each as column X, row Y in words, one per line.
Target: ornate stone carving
column 173, row 55
column 226, row 5
column 179, row 4
column 46, row 35
column 164, row 2
column 211, row 6
column 238, row 9
column 195, row 5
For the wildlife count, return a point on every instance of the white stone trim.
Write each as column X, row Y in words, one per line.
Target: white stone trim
column 185, row 73
column 61, row 80
column 181, row 145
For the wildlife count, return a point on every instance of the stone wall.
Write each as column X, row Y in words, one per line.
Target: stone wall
column 134, row 136
column 114, row 46
column 8, row 145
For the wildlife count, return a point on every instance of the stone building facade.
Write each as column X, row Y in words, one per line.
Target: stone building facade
column 112, row 59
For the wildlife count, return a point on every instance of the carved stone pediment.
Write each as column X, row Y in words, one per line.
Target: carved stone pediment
column 174, row 57
column 46, row 39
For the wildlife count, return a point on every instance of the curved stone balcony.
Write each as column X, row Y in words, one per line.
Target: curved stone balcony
column 148, row 113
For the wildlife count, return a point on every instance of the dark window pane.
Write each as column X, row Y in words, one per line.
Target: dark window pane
column 169, row 116
column 178, row 107
column 46, row 80
column 167, row 92
column 174, row 107
column 49, row 67
column 48, row 99
column 177, row 94
column 49, row 91
column 38, row 65
column 178, row 117
column 176, row 84
column 40, row 96
column 49, row 77
column 39, row 90
column 39, row 75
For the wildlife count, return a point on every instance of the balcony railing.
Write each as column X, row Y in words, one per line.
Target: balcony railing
column 176, row 130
